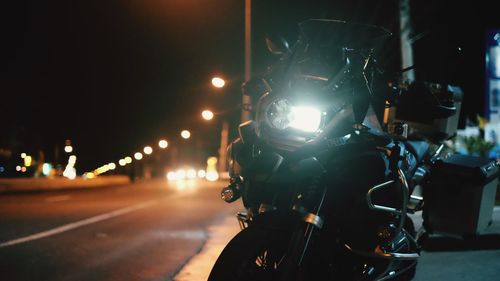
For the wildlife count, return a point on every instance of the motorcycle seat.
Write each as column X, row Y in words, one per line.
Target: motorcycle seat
column 418, row 148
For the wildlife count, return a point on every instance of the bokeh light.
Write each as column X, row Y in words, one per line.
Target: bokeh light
column 207, row 115
column 163, row 144
column 148, row 150
column 185, row 134
column 218, row 82
column 138, row 156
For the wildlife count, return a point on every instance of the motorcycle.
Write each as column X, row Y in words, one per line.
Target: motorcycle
column 327, row 187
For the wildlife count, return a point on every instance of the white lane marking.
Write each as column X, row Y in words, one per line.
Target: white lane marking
column 57, row 198
column 77, row 224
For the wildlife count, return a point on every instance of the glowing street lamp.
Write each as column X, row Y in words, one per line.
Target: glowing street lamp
column 218, row 82
column 202, row 173
column 128, row 159
column 67, row 146
column 111, row 166
column 46, row 168
column 191, row 174
column 211, row 173
column 122, row 162
column 163, row 144
column 207, row 115
column 138, row 156
column 148, row 150
column 185, row 134
column 28, row 161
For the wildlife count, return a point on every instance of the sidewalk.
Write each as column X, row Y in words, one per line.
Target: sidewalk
column 60, row 183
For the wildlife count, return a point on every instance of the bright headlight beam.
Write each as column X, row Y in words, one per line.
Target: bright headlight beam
column 305, row 118
column 281, row 115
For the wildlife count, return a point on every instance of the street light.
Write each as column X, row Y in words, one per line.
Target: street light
column 128, row 159
column 185, row 134
column 138, row 156
column 218, row 82
column 163, row 144
column 67, row 146
column 28, row 160
column 148, row 150
column 68, row 149
column 111, row 166
column 207, row 115
column 245, row 114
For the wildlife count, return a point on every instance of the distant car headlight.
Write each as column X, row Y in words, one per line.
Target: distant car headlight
column 281, row 114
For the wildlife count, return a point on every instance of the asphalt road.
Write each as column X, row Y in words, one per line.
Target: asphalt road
column 141, row 231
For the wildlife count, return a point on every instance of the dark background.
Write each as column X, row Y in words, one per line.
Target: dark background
column 114, row 75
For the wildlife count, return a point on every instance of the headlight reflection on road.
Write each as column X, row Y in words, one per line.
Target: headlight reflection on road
column 184, row 185
column 202, row 173
column 183, row 179
column 180, row 174
column 191, row 174
column 212, row 176
column 171, row 176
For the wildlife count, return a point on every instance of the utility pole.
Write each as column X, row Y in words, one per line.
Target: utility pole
column 245, row 114
column 56, row 157
column 223, row 146
column 405, row 31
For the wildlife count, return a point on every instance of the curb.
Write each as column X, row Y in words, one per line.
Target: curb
column 199, row 266
column 20, row 185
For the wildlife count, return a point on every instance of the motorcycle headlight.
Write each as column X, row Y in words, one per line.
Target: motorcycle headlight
column 281, row 114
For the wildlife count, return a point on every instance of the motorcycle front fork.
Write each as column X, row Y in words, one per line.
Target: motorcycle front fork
column 302, row 236
column 302, row 239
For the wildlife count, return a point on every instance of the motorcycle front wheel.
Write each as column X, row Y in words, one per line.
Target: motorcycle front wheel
column 255, row 254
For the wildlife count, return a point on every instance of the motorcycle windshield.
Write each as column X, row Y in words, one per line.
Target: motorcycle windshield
column 326, row 48
column 335, row 33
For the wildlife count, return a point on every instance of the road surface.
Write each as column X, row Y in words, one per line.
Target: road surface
column 141, row 231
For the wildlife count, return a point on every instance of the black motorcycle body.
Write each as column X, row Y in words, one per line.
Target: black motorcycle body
column 327, row 195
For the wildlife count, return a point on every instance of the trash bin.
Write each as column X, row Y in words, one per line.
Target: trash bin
column 460, row 196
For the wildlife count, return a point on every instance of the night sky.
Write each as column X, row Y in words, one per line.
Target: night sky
column 114, row 75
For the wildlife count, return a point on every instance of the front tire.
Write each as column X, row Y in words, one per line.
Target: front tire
column 253, row 254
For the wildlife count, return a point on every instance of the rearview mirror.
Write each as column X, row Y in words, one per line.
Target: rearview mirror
column 277, row 45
